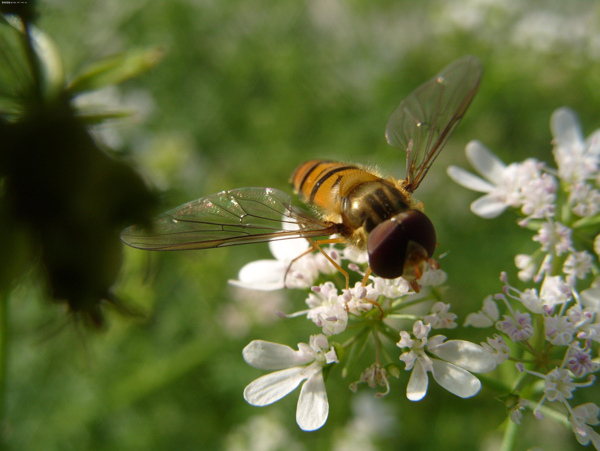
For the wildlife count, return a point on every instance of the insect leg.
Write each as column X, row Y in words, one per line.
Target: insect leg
column 306, row 252
column 316, row 244
column 366, row 278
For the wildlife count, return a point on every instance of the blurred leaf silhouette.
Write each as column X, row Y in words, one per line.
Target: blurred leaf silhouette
column 64, row 199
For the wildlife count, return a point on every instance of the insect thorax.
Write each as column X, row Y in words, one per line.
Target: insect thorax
column 368, row 204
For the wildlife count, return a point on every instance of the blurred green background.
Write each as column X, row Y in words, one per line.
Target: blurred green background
column 248, row 90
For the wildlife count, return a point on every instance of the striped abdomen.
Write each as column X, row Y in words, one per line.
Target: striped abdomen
column 357, row 198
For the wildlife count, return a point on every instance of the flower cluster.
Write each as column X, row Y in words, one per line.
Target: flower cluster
column 551, row 329
column 373, row 309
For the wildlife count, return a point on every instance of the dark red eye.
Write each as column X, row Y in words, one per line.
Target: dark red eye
column 393, row 242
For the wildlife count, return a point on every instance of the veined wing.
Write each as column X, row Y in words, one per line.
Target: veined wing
column 424, row 121
column 228, row 218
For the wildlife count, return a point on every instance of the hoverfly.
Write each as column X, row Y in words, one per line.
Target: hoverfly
column 361, row 208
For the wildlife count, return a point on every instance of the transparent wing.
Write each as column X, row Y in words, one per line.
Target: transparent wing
column 424, row 121
column 228, row 218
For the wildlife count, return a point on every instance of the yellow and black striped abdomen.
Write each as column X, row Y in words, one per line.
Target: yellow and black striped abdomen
column 324, row 183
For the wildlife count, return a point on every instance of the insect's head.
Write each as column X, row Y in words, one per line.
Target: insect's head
column 401, row 245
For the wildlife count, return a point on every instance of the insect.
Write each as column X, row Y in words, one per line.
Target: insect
column 357, row 205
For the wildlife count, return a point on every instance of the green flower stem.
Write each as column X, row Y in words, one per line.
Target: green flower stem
column 3, row 359
column 510, row 436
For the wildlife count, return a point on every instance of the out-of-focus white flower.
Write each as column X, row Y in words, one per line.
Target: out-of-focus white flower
column 577, row 159
column 486, row 317
column 433, row 278
column 374, row 376
column 554, row 292
column 590, row 298
column 371, row 421
column 527, row 266
column 294, row 367
column 554, row 237
column 584, row 199
column 450, row 363
column 578, row 264
column 582, row 417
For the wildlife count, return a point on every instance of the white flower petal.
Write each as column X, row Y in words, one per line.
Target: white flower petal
column 478, row 319
column 565, row 128
column 593, row 144
column 264, row 275
column 488, row 207
column 417, row 385
column 273, row 356
column 465, row 354
column 454, row 379
column 468, row 180
column 287, row 250
column 486, row 163
column 313, row 408
column 272, row 387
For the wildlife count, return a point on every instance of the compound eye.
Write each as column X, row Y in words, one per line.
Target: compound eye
column 404, row 239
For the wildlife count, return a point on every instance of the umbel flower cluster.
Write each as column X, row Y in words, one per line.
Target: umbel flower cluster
column 550, row 331
column 383, row 311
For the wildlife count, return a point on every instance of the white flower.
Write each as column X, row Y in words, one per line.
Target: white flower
column 554, row 237
column 441, row 317
column 559, row 330
column 577, row 159
column 451, row 369
column 590, row 298
column 327, row 309
column 433, row 278
column 356, row 298
column 559, row 385
column 579, row 361
column 527, row 266
column 390, row 288
column 517, row 185
column 268, row 275
column 554, row 292
column 294, row 367
column 498, row 348
column 486, row 317
column 500, row 194
column 582, row 417
column 584, row 199
column 518, row 327
column 538, row 193
column 578, row 264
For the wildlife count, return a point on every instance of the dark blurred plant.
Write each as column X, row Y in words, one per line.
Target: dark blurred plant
column 63, row 199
